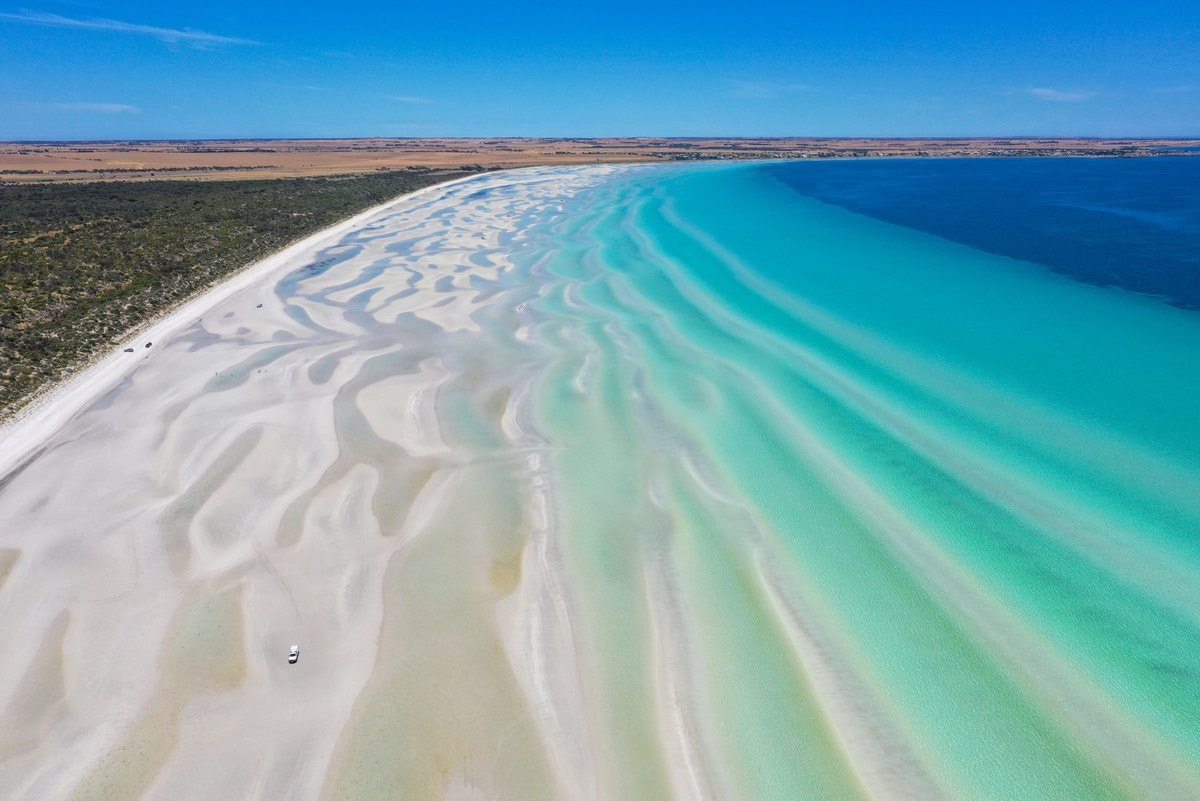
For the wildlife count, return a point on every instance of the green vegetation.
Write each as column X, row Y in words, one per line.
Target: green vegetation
column 82, row 264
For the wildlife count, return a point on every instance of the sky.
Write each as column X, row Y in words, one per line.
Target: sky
column 150, row 70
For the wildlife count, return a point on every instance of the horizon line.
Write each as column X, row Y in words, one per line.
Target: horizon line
column 706, row 137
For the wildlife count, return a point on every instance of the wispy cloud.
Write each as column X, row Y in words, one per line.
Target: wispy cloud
column 1060, row 95
column 188, row 36
column 409, row 99
column 96, row 108
column 1173, row 90
column 296, row 87
column 766, row 90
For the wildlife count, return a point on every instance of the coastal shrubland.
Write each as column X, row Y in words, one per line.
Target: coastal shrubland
column 83, row 264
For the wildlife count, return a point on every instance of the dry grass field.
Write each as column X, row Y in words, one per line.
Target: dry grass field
column 28, row 162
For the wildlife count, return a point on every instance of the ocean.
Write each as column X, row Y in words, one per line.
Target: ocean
column 1127, row 223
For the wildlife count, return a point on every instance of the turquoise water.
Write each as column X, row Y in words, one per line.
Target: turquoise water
column 929, row 514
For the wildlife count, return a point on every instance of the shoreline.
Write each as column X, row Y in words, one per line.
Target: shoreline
column 52, row 406
column 563, row 489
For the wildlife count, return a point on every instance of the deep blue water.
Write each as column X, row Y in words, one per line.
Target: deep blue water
column 1128, row 223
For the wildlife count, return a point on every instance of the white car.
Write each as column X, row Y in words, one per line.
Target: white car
column 294, row 655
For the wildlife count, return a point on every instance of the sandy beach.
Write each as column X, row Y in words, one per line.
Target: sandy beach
column 264, row 474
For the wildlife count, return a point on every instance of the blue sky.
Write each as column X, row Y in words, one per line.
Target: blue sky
column 79, row 69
